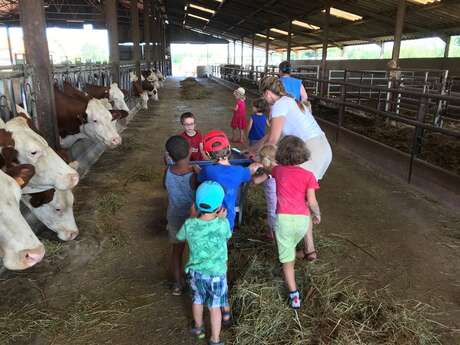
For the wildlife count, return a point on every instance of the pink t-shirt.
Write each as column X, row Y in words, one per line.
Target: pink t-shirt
column 292, row 183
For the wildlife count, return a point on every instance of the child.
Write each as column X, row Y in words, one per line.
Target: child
column 207, row 237
column 267, row 156
column 193, row 136
column 293, row 186
column 258, row 121
column 239, row 115
column 180, row 182
column 231, row 177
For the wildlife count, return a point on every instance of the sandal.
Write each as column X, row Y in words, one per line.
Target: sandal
column 227, row 318
column 177, row 289
column 309, row 256
column 198, row 332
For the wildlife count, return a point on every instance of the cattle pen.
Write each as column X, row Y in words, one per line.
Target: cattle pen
column 90, row 92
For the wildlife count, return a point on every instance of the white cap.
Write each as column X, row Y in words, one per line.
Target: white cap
column 241, row 91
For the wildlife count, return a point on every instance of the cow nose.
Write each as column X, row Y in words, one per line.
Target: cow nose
column 33, row 256
column 68, row 235
column 73, row 179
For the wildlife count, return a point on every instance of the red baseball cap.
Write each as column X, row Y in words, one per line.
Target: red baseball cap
column 215, row 141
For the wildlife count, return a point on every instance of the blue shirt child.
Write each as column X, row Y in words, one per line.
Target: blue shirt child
column 292, row 86
column 259, row 124
column 230, row 177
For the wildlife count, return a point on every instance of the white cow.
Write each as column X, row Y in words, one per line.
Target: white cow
column 160, row 77
column 19, row 247
column 50, row 170
column 54, row 208
column 153, row 78
column 117, row 97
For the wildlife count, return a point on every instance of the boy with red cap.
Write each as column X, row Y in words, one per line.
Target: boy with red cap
column 231, row 177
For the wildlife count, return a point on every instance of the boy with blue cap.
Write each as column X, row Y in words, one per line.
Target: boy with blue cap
column 207, row 237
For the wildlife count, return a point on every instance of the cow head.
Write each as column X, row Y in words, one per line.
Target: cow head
column 54, row 208
column 19, row 246
column 154, row 94
column 117, row 97
column 99, row 126
column 50, row 170
column 145, row 99
column 133, row 77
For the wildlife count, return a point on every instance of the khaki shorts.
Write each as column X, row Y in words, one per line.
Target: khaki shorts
column 290, row 229
column 320, row 156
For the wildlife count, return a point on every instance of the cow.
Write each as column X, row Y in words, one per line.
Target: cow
column 78, row 119
column 138, row 90
column 50, row 170
column 114, row 94
column 19, row 247
column 71, row 91
column 54, row 208
column 151, row 77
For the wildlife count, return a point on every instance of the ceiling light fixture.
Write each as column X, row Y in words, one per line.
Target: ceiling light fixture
column 197, row 17
column 344, row 14
column 282, row 32
column 204, row 9
column 305, row 25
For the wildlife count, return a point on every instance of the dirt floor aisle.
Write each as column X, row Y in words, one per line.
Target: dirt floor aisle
column 111, row 285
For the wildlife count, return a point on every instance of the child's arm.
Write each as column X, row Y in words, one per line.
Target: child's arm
column 203, row 154
column 314, row 207
column 249, row 128
column 164, row 178
column 254, row 166
column 258, row 179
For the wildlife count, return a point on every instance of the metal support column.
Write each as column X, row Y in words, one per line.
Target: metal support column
column 325, row 45
column 234, row 52
column 147, row 21
column 228, row 53
column 288, row 58
column 394, row 62
column 242, row 51
column 10, row 50
column 446, row 49
column 111, row 24
column 267, row 46
column 155, row 36
column 32, row 16
column 135, row 36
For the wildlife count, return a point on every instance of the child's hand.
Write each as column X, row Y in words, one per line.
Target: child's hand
column 316, row 219
column 254, row 166
column 196, row 169
column 222, row 213
column 193, row 211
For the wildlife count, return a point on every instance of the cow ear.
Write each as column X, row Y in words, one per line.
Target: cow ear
column 116, row 115
column 39, row 199
column 21, row 173
column 10, row 156
column 6, row 138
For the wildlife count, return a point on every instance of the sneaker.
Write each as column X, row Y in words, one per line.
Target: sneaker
column 294, row 299
column 177, row 289
column 214, row 343
column 198, row 332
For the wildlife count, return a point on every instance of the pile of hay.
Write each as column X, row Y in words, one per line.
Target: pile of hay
column 192, row 89
column 334, row 311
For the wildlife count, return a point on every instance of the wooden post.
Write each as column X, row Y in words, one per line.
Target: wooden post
column 165, row 50
column 155, row 36
column 228, row 52
column 324, row 52
column 446, row 49
column 163, row 47
column 394, row 63
column 135, row 36
column 267, row 46
column 242, row 51
column 32, row 16
column 288, row 58
column 147, row 21
column 10, row 50
column 111, row 24
column 252, row 53
column 234, row 52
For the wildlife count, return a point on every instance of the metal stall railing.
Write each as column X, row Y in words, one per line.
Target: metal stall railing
column 15, row 88
column 421, row 122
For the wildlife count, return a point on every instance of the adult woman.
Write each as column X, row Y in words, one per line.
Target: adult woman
column 292, row 118
column 293, row 86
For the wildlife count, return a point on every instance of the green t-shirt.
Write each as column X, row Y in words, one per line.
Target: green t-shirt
column 207, row 241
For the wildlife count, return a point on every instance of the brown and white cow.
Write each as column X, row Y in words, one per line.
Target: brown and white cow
column 71, row 91
column 114, row 94
column 19, row 247
column 139, row 91
column 78, row 119
column 50, row 170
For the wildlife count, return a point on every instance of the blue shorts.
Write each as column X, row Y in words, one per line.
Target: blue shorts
column 209, row 290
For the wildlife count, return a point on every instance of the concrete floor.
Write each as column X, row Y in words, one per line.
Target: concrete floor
column 117, row 269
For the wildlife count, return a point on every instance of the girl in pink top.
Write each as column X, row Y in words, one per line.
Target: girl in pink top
column 238, row 123
column 296, row 204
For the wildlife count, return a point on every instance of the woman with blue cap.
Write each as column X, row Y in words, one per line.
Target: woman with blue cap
column 293, row 86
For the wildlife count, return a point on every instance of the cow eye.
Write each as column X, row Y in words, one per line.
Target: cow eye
column 58, row 210
column 33, row 153
column 95, row 121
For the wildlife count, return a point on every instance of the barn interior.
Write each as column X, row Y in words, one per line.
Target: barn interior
column 388, row 263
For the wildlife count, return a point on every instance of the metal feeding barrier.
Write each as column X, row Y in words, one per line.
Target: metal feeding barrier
column 426, row 100
column 16, row 82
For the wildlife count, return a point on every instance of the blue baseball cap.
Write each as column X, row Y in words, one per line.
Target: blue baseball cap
column 209, row 196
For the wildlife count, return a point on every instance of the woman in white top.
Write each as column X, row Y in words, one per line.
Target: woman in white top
column 292, row 118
